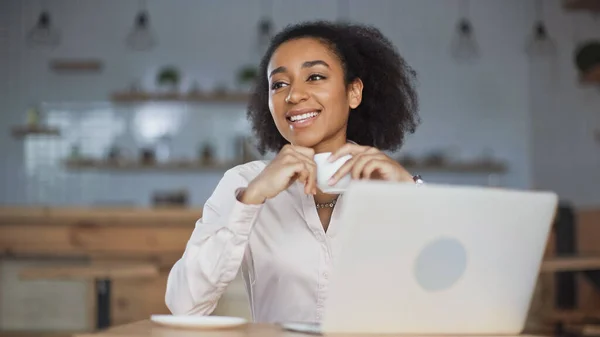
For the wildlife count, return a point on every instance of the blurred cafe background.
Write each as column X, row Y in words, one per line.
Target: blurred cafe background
column 119, row 117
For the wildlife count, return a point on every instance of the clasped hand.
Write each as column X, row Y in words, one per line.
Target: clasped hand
column 368, row 163
column 296, row 163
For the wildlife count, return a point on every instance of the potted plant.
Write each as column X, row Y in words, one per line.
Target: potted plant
column 247, row 76
column 168, row 79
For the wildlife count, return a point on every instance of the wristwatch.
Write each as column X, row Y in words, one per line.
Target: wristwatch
column 418, row 180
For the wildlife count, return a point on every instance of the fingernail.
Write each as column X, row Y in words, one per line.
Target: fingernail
column 331, row 181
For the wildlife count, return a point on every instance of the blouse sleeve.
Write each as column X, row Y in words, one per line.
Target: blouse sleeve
column 215, row 250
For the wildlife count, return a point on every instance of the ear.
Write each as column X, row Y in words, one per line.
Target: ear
column 355, row 93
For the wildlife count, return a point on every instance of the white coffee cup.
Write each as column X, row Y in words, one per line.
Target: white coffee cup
column 326, row 170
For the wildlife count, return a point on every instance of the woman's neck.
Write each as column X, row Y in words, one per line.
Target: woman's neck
column 323, row 198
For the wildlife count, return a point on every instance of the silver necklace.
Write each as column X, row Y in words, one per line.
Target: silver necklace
column 330, row 204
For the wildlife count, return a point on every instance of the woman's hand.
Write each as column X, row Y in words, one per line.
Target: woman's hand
column 368, row 163
column 292, row 163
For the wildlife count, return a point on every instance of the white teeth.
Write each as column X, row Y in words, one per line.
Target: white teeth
column 303, row 116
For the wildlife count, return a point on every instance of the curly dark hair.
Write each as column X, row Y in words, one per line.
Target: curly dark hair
column 389, row 100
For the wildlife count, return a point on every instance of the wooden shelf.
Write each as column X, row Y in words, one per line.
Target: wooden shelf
column 90, row 164
column 572, row 316
column 570, row 263
column 67, row 65
column 142, row 97
column 587, row 5
column 475, row 167
column 25, row 130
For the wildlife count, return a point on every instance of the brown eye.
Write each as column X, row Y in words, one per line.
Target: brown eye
column 277, row 85
column 316, row 77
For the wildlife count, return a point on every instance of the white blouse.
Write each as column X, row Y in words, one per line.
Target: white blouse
column 283, row 251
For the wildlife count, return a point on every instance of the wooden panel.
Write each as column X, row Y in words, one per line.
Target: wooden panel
column 148, row 238
column 95, row 231
column 93, row 271
column 50, row 305
column 93, row 239
column 588, row 230
column 134, row 300
column 100, row 216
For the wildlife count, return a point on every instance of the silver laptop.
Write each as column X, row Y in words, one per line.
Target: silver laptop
column 436, row 259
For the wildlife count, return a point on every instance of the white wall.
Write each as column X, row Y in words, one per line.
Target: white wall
column 467, row 107
column 566, row 156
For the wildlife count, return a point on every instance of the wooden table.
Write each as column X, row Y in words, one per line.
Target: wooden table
column 148, row 329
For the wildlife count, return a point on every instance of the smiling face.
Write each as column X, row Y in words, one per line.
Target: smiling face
column 308, row 98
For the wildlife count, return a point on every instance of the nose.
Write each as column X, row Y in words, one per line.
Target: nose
column 296, row 94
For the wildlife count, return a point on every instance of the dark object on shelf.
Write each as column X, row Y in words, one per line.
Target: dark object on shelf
column 208, row 155
column 114, row 154
column 587, row 56
column 75, row 152
column 148, row 157
column 435, row 159
column 170, row 198
column 247, row 150
column 408, row 160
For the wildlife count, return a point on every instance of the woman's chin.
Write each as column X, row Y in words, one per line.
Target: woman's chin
column 307, row 145
column 309, row 142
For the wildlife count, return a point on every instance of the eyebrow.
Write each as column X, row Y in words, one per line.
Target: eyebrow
column 307, row 64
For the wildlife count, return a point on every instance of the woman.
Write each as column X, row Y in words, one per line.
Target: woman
column 324, row 87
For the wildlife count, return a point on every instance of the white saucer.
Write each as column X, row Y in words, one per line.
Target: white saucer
column 198, row 322
column 309, row 328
